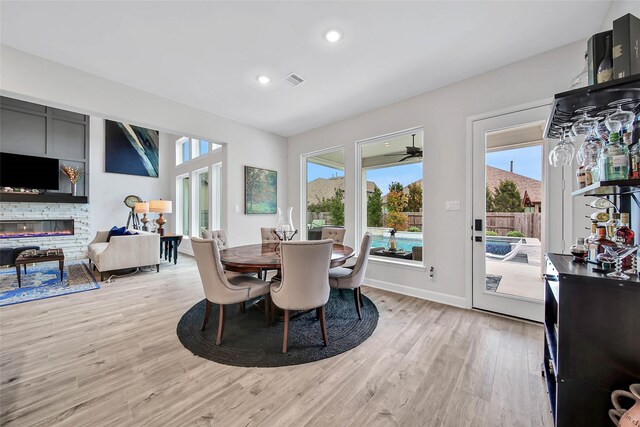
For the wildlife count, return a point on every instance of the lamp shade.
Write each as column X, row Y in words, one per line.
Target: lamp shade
column 160, row 206
column 141, row 207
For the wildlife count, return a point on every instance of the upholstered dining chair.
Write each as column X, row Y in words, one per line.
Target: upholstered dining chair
column 269, row 235
column 304, row 284
column 346, row 278
column 334, row 233
column 221, row 289
column 220, row 238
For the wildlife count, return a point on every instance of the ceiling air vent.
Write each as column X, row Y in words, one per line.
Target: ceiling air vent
column 293, row 80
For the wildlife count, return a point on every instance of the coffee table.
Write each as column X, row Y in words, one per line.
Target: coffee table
column 46, row 255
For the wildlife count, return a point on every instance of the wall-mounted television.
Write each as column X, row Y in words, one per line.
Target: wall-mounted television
column 17, row 170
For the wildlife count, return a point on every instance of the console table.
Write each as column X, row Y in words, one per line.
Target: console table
column 169, row 246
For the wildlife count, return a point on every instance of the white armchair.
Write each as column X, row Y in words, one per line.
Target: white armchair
column 124, row 251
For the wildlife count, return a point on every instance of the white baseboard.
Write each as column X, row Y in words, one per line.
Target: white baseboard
column 418, row 293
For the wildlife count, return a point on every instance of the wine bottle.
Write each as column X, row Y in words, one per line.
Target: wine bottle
column 605, row 69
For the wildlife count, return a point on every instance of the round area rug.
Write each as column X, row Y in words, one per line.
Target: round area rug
column 248, row 342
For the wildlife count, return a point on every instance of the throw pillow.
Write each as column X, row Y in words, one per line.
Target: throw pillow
column 115, row 231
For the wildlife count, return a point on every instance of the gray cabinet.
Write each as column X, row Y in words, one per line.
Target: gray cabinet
column 39, row 130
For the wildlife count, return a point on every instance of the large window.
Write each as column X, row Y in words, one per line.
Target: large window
column 392, row 195
column 202, row 202
column 325, row 191
column 191, row 148
column 183, row 204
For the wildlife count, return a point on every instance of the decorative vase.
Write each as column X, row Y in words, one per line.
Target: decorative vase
column 73, row 188
column 285, row 228
column 622, row 417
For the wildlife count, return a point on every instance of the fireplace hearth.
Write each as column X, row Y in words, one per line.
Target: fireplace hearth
column 29, row 228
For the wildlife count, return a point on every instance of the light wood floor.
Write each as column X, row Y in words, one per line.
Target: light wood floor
column 111, row 357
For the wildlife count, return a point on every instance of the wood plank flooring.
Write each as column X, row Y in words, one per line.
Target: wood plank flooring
column 111, row 357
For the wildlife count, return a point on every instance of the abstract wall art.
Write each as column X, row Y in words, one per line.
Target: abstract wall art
column 260, row 191
column 130, row 149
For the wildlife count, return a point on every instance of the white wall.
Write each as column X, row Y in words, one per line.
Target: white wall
column 443, row 113
column 35, row 79
column 108, row 190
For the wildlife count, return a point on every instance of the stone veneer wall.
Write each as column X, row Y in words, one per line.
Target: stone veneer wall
column 75, row 247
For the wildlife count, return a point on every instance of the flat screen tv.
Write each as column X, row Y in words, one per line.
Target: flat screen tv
column 17, row 170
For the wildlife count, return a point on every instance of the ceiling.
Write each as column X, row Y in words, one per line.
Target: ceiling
column 208, row 54
column 518, row 136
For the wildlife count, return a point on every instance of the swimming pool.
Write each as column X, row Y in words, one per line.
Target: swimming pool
column 500, row 245
column 404, row 244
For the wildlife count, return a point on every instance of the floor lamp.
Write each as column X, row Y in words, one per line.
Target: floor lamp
column 160, row 207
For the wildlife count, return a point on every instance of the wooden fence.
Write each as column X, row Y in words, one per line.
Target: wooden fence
column 528, row 223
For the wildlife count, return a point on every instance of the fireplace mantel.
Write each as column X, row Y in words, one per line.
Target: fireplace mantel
column 42, row 198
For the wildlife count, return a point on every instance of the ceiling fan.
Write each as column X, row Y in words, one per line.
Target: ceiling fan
column 412, row 151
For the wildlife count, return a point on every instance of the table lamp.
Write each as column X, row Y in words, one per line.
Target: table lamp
column 142, row 208
column 160, row 207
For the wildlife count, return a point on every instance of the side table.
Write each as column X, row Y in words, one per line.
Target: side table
column 169, row 246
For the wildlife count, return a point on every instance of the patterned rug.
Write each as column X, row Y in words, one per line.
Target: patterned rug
column 43, row 281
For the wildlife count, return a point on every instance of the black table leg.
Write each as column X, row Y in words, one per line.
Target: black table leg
column 175, row 252
column 18, row 273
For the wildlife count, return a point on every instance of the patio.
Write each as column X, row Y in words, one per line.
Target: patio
column 518, row 278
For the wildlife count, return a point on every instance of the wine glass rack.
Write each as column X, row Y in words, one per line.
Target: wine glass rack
column 566, row 104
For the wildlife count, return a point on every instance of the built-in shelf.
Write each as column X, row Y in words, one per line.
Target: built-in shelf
column 599, row 96
column 42, row 198
column 610, row 188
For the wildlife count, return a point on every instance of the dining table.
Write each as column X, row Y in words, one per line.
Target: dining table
column 266, row 256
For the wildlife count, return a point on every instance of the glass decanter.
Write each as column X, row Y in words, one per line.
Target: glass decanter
column 285, row 230
column 582, row 79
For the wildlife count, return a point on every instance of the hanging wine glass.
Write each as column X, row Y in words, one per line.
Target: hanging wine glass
column 562, row 154
column 601, row 127
column 590, row 148
column 620, row 119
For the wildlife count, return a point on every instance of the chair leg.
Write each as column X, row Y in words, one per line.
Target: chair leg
column 323, row 326
column 101, row 276
column 356, row 297
column 267, row 310
column 286, row 331
column 157, row 268
column 207, row 312
column 220, row 325
column 94, row 267
column 360, row 295
column 317, row 313
column 242, row 308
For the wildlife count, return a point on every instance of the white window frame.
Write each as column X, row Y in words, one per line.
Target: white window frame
column 179, row 202
column 361, row 205
column 303, row 187
column 180, row 150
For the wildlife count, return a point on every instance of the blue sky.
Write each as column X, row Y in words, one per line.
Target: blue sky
column 317, row 171
column 405, row 174
column 526, row 161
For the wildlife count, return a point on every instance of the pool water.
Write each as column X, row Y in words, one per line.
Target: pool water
column 404, row 244
column 497, row 247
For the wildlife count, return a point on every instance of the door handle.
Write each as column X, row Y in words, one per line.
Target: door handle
column 478, row 225
column 478, row 238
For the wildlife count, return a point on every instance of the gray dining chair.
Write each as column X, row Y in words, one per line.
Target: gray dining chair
column 269, row 235
column 304, row 283
column 346, row 278
column 221, row 289
column 220, row 238
column 334, row 233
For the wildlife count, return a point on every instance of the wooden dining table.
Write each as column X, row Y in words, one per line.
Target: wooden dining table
column 266, row 256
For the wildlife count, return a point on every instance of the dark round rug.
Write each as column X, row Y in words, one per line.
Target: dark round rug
column 247, row 342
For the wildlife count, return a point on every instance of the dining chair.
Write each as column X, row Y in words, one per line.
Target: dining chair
column 334, row 233
column 268, row 236
column 346, row 278
column 220, row 238
column 221, row 289
column 304, row 283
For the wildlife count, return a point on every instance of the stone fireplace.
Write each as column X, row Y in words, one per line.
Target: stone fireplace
column 48, row 225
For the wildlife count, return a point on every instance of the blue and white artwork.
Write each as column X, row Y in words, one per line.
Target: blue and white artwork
column 130, row 149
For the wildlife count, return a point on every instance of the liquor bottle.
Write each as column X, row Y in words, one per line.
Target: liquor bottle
column 634, row 161
column 612, row 225
column 581, row 177
column 605, row 69
column 614, row 159
column 597, row 246
column 582, row 79
column 594, row 233
column 625, row 235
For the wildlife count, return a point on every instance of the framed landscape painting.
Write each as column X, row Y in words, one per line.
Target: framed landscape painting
column 260, row 191
column 130, row 149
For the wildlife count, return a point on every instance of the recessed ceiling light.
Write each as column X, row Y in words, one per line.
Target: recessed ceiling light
column 333, row 36
column 263, row 80
column 386, row 144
